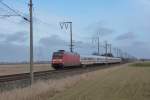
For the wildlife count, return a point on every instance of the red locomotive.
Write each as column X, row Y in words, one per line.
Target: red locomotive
column 61, row 59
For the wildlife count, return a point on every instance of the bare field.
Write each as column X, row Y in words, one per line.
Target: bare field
column 22, row 68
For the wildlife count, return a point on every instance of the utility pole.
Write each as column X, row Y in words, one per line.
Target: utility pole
column 62, row 24
column 106, row 52
column 117, row 50
column 71, row 42
column 98, row 45
column 120, row 51
column 106, row 48
column 31, row 43
column 110, row 48
column 97, row 41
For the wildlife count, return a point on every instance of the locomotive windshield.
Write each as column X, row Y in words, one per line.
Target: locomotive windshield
column 57, row 55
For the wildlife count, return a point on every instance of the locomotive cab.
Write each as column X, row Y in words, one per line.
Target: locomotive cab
column 57, row 59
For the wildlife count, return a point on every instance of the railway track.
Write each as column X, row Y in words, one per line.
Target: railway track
column 15, row 77
column 23, row 76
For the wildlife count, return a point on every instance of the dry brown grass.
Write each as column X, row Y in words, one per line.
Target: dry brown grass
column 22, row 68
column 48, row 89
column 126, row 83
column 42, row 90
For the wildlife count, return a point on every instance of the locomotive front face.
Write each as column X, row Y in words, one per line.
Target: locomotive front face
column 57, row 60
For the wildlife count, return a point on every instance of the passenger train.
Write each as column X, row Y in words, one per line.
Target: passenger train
column 62, row 59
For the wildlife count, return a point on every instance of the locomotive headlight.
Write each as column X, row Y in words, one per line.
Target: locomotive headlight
column 60, row 60
column 57, row 60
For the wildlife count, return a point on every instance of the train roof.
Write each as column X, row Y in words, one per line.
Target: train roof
column 65, row 52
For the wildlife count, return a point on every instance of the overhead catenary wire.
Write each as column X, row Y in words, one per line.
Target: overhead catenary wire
column 17, row 13
column 14, row 11
column 10, row 8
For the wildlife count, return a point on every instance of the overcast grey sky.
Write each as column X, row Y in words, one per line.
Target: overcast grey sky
column 123, row 23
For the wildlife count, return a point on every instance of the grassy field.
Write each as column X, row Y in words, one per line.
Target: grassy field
column 141, row 64
column 22, row 68
column 126, row 83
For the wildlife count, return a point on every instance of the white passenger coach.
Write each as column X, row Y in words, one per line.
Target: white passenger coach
column 89, row 60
